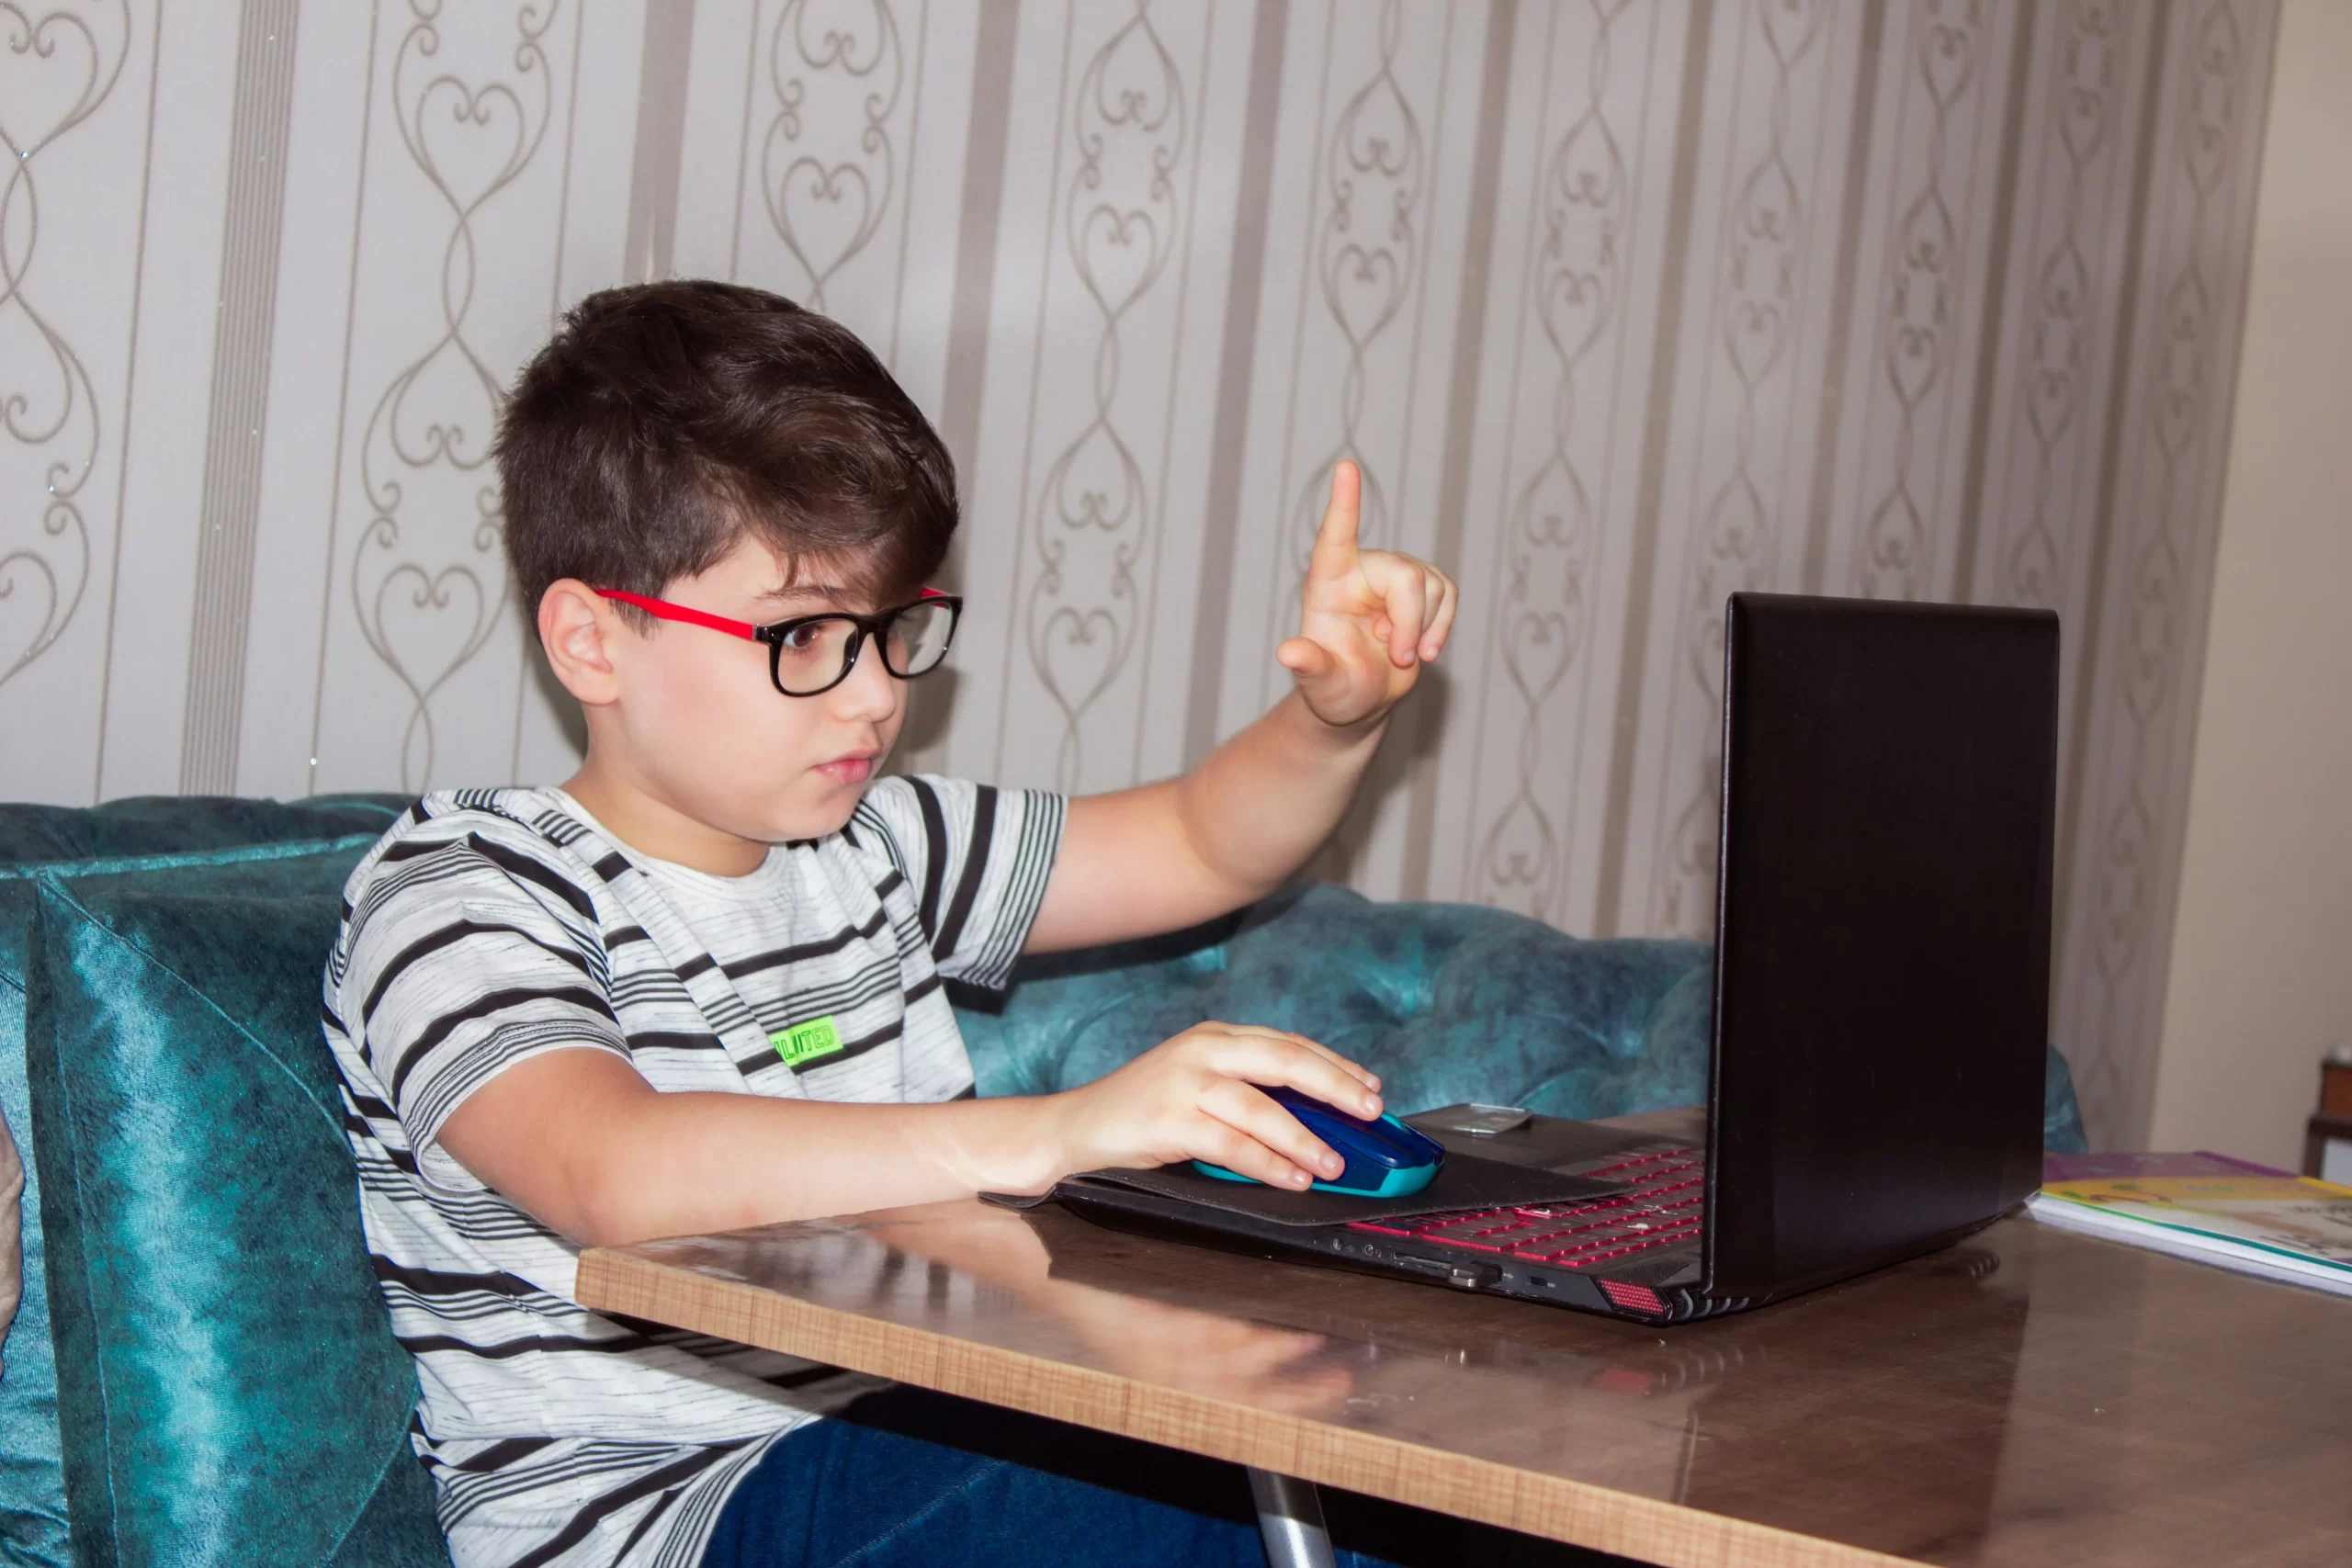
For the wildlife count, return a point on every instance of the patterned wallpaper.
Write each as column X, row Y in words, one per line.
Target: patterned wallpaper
column 1621, row 304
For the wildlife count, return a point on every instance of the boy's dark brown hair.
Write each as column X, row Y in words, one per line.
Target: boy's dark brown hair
column 665, row 421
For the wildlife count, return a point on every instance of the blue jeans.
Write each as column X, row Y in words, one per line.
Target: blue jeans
column 910, row 1479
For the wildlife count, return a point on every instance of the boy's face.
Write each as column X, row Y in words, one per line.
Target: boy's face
column 702, row 727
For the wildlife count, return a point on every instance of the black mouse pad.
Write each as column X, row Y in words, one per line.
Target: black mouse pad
column 1467, row 1182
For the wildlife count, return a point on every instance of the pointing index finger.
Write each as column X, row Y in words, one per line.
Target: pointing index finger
column 1335, row 542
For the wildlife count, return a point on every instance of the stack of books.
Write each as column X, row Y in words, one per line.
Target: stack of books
column 2206, row 1208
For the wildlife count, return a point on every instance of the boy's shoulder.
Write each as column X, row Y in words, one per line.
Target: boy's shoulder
column 907, row 805
column 524, row 817
column 520, row 835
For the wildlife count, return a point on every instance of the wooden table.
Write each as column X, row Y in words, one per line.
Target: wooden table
column 2028, row 1397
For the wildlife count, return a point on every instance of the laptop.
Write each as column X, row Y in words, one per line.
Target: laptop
column 1881, row 978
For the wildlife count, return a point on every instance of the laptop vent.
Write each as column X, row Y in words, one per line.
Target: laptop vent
column 1633, row 1298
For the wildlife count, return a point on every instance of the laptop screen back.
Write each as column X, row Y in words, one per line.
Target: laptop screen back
column 1882, row 935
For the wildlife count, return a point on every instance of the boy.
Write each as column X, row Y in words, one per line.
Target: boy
column 697, row 987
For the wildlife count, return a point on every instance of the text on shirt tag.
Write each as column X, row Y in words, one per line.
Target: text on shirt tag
column 803, row 1043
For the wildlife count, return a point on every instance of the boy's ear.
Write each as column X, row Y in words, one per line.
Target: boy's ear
column 577, row 627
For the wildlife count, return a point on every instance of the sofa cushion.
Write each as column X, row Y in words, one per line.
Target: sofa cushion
column 1447, row 1003
column 131, row 834
column 221, row 1348
column 183, row 824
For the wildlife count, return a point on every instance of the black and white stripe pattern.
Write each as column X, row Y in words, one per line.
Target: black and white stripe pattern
column 492, row 926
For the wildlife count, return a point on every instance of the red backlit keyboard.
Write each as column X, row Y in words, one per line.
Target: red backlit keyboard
column 1662, row 1203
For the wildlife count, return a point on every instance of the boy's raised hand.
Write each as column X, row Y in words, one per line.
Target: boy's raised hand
column 1368, row 619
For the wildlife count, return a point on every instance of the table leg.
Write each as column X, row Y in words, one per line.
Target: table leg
column 1290, row 1518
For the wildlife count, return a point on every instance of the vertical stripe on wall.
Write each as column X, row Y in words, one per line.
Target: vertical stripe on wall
column 1268, row 38
column 976, row 239
column 1842, row 323
column 1997, row 276
column 964, row 379
column 1460, row 420
column 122, row 479
column 1676, row 265
column 661, row 139
column 2078, row 727
column 230, row 506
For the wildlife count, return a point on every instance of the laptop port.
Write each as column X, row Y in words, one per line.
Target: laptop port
column 1466, row 1276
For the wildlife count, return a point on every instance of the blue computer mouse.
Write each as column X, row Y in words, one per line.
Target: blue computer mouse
column 1386, row 1159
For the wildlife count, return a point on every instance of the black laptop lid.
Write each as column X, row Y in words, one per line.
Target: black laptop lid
column 1883, row 930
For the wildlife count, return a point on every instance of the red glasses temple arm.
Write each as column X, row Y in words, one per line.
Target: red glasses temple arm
column 661, row 609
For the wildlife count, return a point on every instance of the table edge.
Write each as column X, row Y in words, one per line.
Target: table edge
column 1580, row 1513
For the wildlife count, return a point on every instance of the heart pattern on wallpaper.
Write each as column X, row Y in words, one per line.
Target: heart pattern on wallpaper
column 2053, row 388
column 1948, row 33
column 1121, row 210
column 2033, row 566
column 1118, row 254
column 429, row 622
column 1789, row 27
column 2214, row 97
column 1091, row 517
column 471, row 133
column 1923, row 299
column 30, row 597
column 443, row 409
column 1761, row 281
column 56, row 69
column 1550, row 536
column 472, row 104
column 825, row 214
column 1519, row 864
column 1096, row 484
column 1573, row 305
column 827, row 166
column 1888, row 564
column 424, row 626
column 1365, row 289
column 1082, row 608
column 1765, row 254
column 1728, row 559
column 1078, row 652
column 1541, row 581
column 1367, row 264
column 1370, row 248
column 1584, row 192
column 1536, row 646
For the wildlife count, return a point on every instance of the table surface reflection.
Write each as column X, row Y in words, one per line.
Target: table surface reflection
column 2028, row 1397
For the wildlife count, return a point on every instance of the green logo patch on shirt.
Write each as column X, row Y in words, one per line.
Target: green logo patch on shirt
column 805, row 1042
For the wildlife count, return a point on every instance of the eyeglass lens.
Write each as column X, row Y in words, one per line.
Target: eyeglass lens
column 814, row 657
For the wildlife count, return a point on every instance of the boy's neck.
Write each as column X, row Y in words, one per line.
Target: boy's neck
column 651, row 827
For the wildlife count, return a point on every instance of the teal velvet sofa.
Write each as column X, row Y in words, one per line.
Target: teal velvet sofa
column 201, row 1370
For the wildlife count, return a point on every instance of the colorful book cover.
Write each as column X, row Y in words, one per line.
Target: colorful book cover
column 2297, row 1216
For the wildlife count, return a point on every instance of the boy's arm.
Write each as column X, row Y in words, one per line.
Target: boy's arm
column 578, row 1139
column 484, row 1022
column 1171, row 854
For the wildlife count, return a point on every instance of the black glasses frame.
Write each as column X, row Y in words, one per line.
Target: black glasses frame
column 876, row 628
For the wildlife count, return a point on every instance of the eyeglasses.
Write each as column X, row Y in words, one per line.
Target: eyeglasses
column 812, row 654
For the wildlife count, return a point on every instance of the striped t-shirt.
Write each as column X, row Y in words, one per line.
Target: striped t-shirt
column 489, row 926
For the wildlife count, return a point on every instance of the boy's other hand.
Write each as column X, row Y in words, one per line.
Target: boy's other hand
column 1195, row 1096
column 1368, row 619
